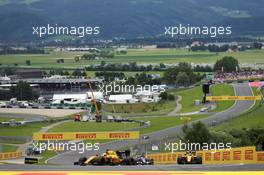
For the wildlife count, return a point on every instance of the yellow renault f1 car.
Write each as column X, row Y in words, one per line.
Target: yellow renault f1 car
column 108, row 158
column 189, row 157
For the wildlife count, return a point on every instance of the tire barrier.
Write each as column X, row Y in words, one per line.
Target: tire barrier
column 245, row 155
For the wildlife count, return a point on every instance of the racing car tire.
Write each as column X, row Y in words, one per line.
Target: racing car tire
column 181, row 160
column 129, row 161
column 82, row 160
column 198, row 160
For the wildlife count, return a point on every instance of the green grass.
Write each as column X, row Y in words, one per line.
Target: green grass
column 253, row 119
column 144, row 108
column 221, row 90
column 140, row 56
column 157, row 123
column 8, row 148
column 11, row 141
column 160, row 123
column 24, row 130
column 45, row 156
column 188, row 98
column 196, row 93
column 92, row 127
column 250, row 119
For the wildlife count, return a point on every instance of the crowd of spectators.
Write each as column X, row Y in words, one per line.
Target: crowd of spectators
column 240, row 75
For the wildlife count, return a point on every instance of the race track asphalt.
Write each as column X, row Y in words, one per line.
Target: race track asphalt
column 26, row 117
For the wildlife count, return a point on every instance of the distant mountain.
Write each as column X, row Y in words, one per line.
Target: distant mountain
column 125, row 18
column 16, row 23
column 246, row 26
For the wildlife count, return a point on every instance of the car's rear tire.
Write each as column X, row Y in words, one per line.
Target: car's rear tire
column 181, row 160
column 199, row 160
column 151, row 161
column 194, row 161
column 102, row 161
column 82, row 160
column 128, row 161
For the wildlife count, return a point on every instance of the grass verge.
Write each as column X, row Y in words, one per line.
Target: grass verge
column 188, row 98
column 45, row 156
column 8, row 148
column 26, row 130
column 92, row 127
column 222, row 90
column 250, row 119
column 153, row 108
column 160, row 123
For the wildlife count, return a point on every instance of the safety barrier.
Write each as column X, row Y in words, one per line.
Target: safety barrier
column 86, row 135
column 260, row 157
column 246, row 155
column 233, row 156
column 231, row 98
column 10, row 155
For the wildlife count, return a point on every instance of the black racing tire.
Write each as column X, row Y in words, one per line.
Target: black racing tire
column 151, row 161
column 102, row 161
column 96, row 162
column 199, row 160
column 110, row 161
column 82, row 160
column 128, row 161
column 132, row 161
column 193, row 161
column 181, row 160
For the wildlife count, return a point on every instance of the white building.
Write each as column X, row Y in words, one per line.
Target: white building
column 122, row 98
column 148, row 96
column 69, row 99
column 5, row 78
column 76, row 98
column 97, row 95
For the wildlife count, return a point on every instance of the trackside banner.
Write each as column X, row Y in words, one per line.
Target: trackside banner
column 86, row 135
column 231, row 98
column 244, row 155
column 10, row 155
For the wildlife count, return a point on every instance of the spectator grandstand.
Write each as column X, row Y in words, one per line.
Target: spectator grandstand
column 241, row 75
